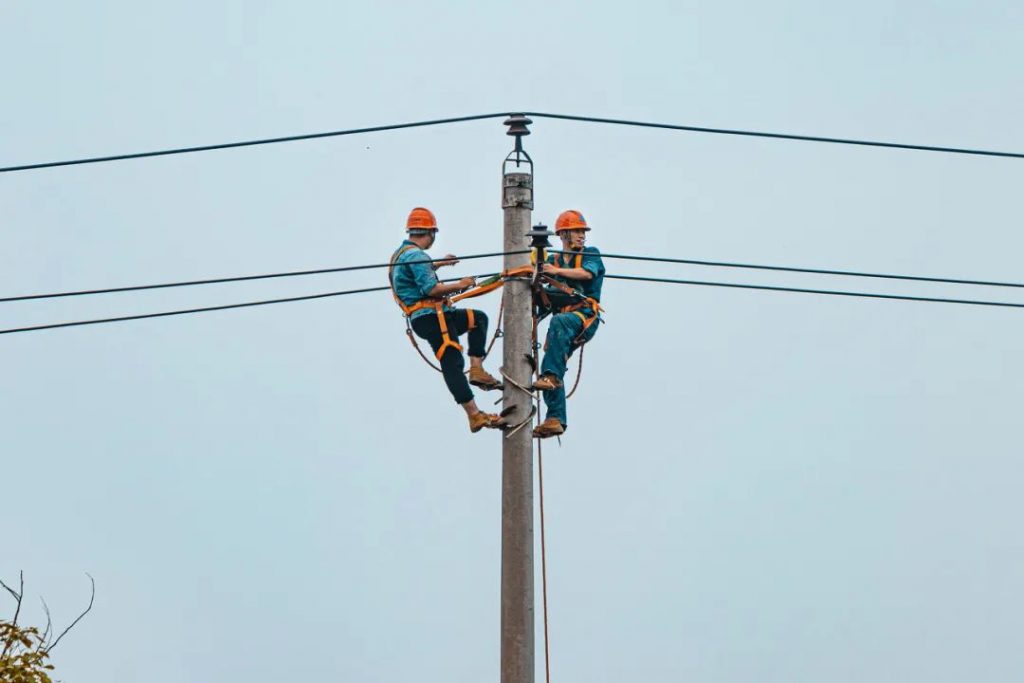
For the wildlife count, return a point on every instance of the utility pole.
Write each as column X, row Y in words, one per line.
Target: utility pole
column 517, row 629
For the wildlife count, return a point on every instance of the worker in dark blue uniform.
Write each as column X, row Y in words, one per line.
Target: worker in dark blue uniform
column 575, row 316
column 424, row 301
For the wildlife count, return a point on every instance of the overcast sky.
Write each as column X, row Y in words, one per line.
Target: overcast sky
column 754, row 486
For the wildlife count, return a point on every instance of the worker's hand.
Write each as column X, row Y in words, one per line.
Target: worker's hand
column 448, row 260
column 551, row 269
column 466, row 282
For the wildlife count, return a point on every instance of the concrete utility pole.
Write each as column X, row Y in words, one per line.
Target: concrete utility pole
column 517, row 664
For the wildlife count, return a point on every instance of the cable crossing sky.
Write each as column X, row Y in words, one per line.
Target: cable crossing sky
column 480, row 117
column 552, row 116
column 635, row 278
column 627, row 257
column 223, row 280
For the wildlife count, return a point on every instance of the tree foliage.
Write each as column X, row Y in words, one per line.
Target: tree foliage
column 25, row 657
column 25, row 650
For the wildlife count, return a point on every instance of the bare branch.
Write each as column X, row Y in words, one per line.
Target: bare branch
column 17, row 610
column 48, row 631
column 63, row 633
column 15, row 594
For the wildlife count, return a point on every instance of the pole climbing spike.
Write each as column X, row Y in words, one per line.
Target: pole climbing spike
column 532, row 360
column 529, row 418
column 517, row 385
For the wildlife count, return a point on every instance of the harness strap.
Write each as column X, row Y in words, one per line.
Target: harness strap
column 471, row 316
column 577, row 309
column 445, row 337
column 576, row 260
column 419, row 305
column 436, row 304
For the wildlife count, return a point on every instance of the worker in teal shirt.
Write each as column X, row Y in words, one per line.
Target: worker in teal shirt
column 423, row 299
column 575, row 318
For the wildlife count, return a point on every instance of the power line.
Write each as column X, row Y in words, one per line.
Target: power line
column 628, row 257
column 704, row 283
column 187, row 311
column 248, row 143
column 867, row 295
column 478, row 117
column 241, row 278
column 779, row 136
column 814, row 271
column 206, row 309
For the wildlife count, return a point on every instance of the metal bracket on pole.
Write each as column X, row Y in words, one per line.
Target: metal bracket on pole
column 517, row 176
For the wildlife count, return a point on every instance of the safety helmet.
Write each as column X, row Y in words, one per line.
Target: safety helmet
column 570, row 220
column 420, row 219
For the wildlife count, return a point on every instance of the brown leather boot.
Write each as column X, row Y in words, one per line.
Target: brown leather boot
column 547, row 383
column 547, row 428
column 478, row 421
column 479, row 377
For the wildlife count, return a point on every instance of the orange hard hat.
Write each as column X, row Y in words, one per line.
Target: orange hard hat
column 421, row 219
column 570, row 220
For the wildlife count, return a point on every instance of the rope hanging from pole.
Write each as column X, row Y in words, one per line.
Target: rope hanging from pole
column 543, row 560
column 540, row 481
column 579, row 374
column 497, row 329
column 416, row 345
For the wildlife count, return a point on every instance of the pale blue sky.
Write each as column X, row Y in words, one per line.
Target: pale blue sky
column 755, row 486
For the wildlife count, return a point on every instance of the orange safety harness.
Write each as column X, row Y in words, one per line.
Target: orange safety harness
column 584, row 303
column 438, row 304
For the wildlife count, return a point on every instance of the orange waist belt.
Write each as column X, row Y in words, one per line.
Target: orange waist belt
column 577, row 309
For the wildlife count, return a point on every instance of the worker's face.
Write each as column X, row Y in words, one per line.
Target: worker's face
column 573, row 240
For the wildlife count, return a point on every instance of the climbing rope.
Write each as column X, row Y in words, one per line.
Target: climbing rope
column 579, row 374
column 543, row 559
column 416, row 345
column 497, row 329
column 540, row 480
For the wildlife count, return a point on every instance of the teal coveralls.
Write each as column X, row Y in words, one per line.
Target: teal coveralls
column 564, row 328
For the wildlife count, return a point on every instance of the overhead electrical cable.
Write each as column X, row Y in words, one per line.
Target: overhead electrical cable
column 478, row 117
column 813, row 271
column 779, row 136
column 249, row 143
column 867, row 295
column 206, row 309
column 241, row 278
column 187, row 311
column 703, row 283
column 628, row 257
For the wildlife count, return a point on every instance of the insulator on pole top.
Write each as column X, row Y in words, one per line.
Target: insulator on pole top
column 539, row 235
column 518, row 127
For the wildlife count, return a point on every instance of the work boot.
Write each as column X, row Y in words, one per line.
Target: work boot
column 479, row 377
column 478, row 421
column 547, row 383
column 549, row 427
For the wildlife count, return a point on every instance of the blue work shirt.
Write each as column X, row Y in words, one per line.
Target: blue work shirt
column 591, row 263
column 413, row 281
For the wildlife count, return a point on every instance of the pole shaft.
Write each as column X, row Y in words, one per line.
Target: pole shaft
column 517, row 613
